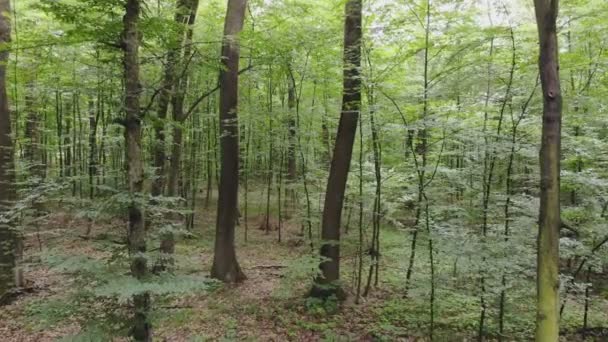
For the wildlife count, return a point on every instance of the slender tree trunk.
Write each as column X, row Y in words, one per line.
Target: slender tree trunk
column 489, row 166
column 360, row 250
column 292, row 172
column 8, row 237
column 208, row 160
column 141, row 330
column 291, row 128
column 270, row 174
column 179, row 93
column 67, row 144
column 308, row 220
column 587, row 301
column 32, row 133
column 185, row 14
column 279, row 190
column 225, row 265
column 421, row 148
column 102, row 146
column 377, row 212
column 507, row 213
column 547, row 319
column 486, row 190
column 59, row 126
column 92, row 156
column 327, row 285
column 93, row 119
column 325, row 130
column 168, row 84
column 79, row 148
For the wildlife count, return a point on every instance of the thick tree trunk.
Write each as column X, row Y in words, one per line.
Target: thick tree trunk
column 547, row 320
column 327, row 284
column 8, row 237
column 135, row 172
column 225, row 265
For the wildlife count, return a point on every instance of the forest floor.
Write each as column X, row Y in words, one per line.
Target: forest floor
column 270, row 305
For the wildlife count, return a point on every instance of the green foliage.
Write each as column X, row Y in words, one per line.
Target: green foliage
column 124, row 288
column 453, row 87
column 44, row 314
column 301, row 270
column 322, row 306
column 92, row 333
column 105, row 282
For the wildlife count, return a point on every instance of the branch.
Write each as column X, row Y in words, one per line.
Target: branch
column 207, row 94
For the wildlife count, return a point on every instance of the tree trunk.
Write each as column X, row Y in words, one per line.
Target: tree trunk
column 8, row 237
column 291, row 126
column 327, row 285
column 547, row 319
column 135, row 172
column 59, row 124
column 225, row 265
column 93, row 119
column 32, row 134
column 168, row 84
column 326, row 152
column 181, row 84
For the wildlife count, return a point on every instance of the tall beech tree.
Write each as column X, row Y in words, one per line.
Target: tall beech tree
column 225, row 265
column 327, row 284
column 547, row 319
column 141, row 330
column 8, row 237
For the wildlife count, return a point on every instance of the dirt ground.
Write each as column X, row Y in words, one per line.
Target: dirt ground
column 269, row 306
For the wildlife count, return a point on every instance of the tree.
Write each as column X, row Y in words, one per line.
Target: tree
column 177, row 102
column 8, row 237
column 326, row 284
column 168, row 84
column 225, row 265
column 135, row 171
column 547, row 319
column 32, row 133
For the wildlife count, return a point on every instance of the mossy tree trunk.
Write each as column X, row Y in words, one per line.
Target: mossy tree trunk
column 547, row 320
column 141, row 330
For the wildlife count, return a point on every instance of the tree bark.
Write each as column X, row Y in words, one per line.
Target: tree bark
column 141, row 330
column 93, row 161
column 168, row 85
column 225, row 265
column 327, row 284
column 8, row 237
column 547, row 319
column 32, row 133
column 179, row 116
column 291, row 127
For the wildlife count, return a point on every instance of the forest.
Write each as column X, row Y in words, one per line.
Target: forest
column 303, row 170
